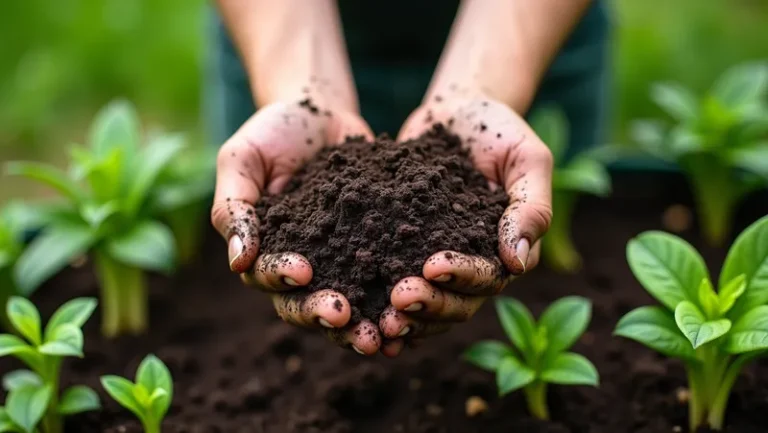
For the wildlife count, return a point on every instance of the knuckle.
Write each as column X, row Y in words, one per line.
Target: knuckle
column 539, row 154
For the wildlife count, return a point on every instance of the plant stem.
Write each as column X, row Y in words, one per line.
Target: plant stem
column 52, row 420
column 557, row 245
column 124, row 297
column 536, row 396
column 720, row 402
column 715, row 193
column 151, row 426
column 696, row 409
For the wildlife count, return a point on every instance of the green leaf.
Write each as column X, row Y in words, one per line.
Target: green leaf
column 75, row 312
column 95, row 214
column 583, row 175
column 156, row 157
column 749, row 256
column 47, row 175
column 651, row 136
column 6, row 423
column 710, row 303
column 488, row 354
column 513, row 375
column 696, row 327
column 148, row 245
column 740, row 85
column 116, row 125
column 753, row 159
column 570, row 369
column 25, row 318
column 565, row 321
column 121, row 390
column 21, row 378
column 656, row 328
column 517, row 322
column 683, row 141
column 141, row 394
column 49, row 253
column 676, row 100
column 153, row 374
column 78, row 399
column 669, row 268
column 65, row 340
column 731, row 292
column 27, row 405
column 749, row 332
column 11, row 344
column 551, row 125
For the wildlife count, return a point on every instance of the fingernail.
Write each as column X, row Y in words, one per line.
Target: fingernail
column 521, row 254
column 291, row 282
column 416, row 306
column 493, row 186
column 405, row 330
column 325, row 323
column 442, row 278
column 357, row 350
column 235, row 248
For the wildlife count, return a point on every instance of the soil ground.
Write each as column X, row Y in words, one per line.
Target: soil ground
column 237, row 368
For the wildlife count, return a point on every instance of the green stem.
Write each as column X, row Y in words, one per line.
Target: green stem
column 52, row 420
column 536, row 396
column 557, row 245
column 124, row 297
column 713, row 188
column 720, row 402
column 696, row 408
column 151, row 426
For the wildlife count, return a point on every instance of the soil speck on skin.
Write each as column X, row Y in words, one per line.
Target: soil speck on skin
column 309, row 105
column 367, row 215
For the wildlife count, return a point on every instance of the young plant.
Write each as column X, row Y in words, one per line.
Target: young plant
column 539, row 354
column 714, row 333
column 149, row 398
column 111, row 211
column 34, row 404
column 719, row 140
column 571, row 177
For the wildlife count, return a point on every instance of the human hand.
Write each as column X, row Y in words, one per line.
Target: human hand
column 453, row 286
column 261, row 157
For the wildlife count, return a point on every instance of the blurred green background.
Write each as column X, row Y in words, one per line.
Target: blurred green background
column 62, row 60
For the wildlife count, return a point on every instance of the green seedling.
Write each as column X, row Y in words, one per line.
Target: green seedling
column 719, row 140
column 34, row 404
column 714, row 333
column 582, row 174
column 112, row 210
column 149, row 398
column 539, row 354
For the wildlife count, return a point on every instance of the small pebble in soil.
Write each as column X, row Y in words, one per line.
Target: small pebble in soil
column 677, row 429
column 677, row 218
column 434, row 410
column 293, row 364
column 683, row 395
column 475, row 406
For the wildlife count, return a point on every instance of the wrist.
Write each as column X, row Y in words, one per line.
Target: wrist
column 518, row 95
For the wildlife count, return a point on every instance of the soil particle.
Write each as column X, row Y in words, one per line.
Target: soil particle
column 366, row 215
column 475, row 406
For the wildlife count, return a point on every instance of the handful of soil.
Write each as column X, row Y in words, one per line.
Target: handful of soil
column 366, row 215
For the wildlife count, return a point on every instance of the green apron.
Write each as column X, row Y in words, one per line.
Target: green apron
column 393, row 56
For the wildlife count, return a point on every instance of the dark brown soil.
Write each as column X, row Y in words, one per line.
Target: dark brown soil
column 366, row 215
column 237, row 368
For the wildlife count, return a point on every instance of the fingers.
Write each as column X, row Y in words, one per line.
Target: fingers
column 364, row 337
column 528, row 182
column 398, row 325
column 279, row 272
column 392, row 348
column 324, row 308
column 417, row 297
column 463, row 273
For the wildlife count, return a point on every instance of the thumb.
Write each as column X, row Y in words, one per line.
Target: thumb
column 240, row 178
column 528, row 182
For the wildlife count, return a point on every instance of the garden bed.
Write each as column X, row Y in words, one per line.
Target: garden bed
column 237, row 368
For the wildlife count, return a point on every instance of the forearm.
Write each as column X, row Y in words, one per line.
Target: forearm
column 502, row 48
column 291, row 49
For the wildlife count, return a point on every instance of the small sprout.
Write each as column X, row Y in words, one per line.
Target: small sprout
column 715, row 334
column 539, row 354
column 718, row 140
column 114, row 204
column 149, row 398
column 584, row 173
column 33, row 404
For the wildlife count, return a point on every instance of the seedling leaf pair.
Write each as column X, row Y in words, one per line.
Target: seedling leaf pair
column 714, row 332
column 32, row 394
column 538, row 355
column 149, row 397
column 582, row 174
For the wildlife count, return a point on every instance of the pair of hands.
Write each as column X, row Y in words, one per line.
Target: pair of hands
column 263, row 154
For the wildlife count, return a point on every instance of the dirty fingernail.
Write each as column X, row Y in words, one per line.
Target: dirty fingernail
column 416, row 306
column 235, row 248
column 290, row 281
column 493, row 186
column 325, row 323
column 357, row 350
column 521, row 254
column 405, row 330
column 442, row 278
